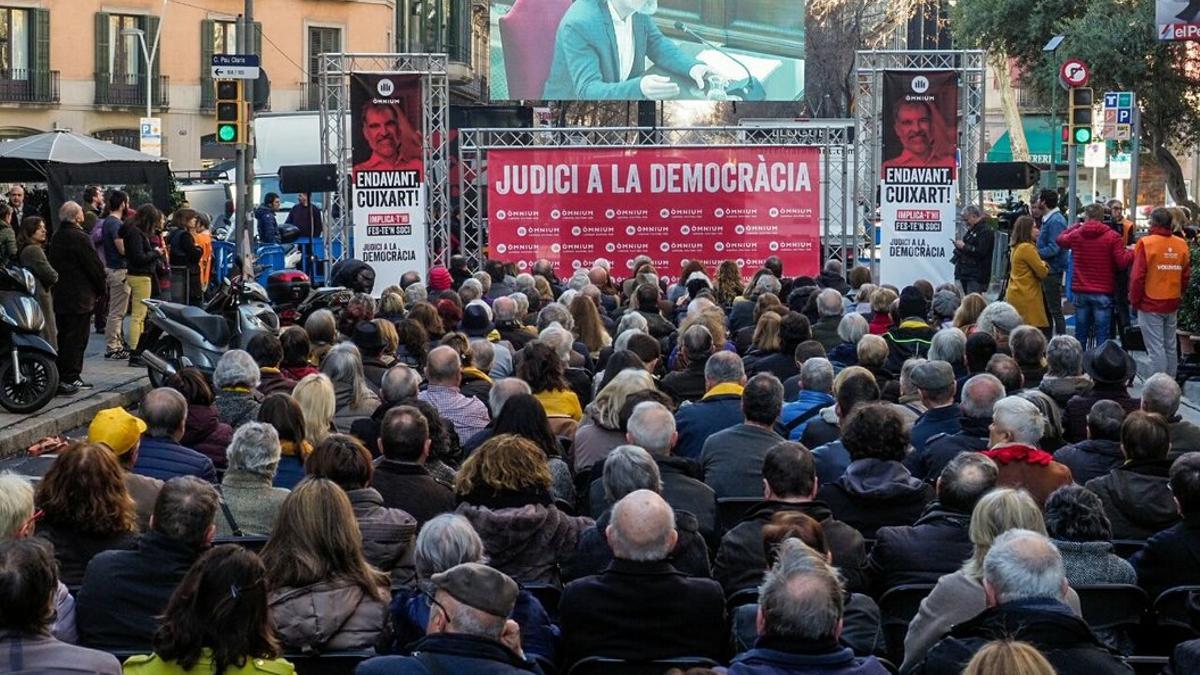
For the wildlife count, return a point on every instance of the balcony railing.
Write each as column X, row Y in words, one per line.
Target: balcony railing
column 19, row 85
column 121, row 90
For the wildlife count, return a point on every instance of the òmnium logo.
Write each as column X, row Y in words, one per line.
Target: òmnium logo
column 610, row 247
column 774, row 212
column 576, row 230
column 739, row 229
column 719, row 246
column 501, row 248
column 664, row 247
column 556, row 247
column 920, row 84
column 385, row 88
column 555, row 214
column 719, row 213
column 685, row 230
column 631, row 230
column 664, row 213
column 501, row 214
column 522, row 231
column 610, row 214
column 774, row 246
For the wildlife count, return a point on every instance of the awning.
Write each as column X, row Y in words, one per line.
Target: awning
column 1039, row 138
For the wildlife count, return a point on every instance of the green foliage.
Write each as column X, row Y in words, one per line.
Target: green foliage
column 1189, row 306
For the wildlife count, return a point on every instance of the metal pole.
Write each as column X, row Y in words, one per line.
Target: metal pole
column 1135, row 151
column 1072, row 182
column 1055, row 132
column 239, row 224
column 151, row 53
column 246, row 38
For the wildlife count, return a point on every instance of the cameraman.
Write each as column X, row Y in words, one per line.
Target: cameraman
column 1053, row 224
column 973, row 260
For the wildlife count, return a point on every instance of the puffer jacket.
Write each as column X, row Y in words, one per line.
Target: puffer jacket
column 528, row 543
column 1061, row 389
column 874, row 493
column 1098, row 253
column 205, row 433
column 1136, row 498
column 387, row 535
column 327, row 616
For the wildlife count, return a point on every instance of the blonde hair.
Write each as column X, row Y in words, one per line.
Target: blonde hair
column 391, row 303
column 872, row 351
column 317, row 401
column 969, row 310
column 504, row 462
column 16, row 503
column 391, row 339
column 711, row 318
column 997, row 512
column 766, row 332
column 1002, row 657
column 605, row 409
column 882, row 299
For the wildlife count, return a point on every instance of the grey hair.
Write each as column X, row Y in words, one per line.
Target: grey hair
column 555, row 312
column 1161, row 394
column 698, row 305
column 972, row 210
column 1023, row 564
column 949, row 345
column 68, row 212
column 164, row 411
column 400, row 382
column 522, row 301
column 16, row 503
column 829, row 302
column 834, row 266
column 321, row 326
column 998, row 317
column 505, row 308
column 567, row 296
column 724, row 367
column 697, row 341
column 817, row 375
column 623, row 337
column 558, row 339
column 945, row 303
column 767, row 283
column 629, row 468
column 470, row 290
column 504, row 389
column 907, row 388
column 579, row 280
column 236, row 368
column 524, row 282
column 254, row 449
column 852, row 327
column 445, row 541
column 651, row 426
column 1064, row 357
column 801, row 597
column 482, row 354
column 980, row 395
column 484, row 279
column 630, row 320
column 1021, row 418
column 415, row 293
column 343, row 365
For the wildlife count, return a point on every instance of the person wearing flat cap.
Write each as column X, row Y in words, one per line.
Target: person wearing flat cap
column 934, row 381
column 121, row 432
column 469, row 630
column 1111, row 368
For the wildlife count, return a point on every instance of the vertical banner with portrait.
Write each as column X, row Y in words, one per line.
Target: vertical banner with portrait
column 388, row 174
column 917, row 193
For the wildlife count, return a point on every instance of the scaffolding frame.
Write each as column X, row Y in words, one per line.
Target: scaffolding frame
column 840, row 236
column 336, row 144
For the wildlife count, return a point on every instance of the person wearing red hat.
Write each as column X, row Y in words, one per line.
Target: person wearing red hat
column 440, row 279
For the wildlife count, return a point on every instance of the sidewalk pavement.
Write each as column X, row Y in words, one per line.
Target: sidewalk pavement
column 116, row 384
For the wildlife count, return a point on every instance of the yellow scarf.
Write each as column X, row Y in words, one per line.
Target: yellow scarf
column 475, row 372
column 724, row 389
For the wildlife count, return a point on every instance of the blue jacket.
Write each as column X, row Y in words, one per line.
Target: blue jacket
column 835, row 661
column 808, row 402
column 539, row 636
column 268, row 227
column 831, row 461
column 696, row 422
column 586, row 63
column 164, row 459
column 1047, row 241
column 947, row 420
column 450, row 653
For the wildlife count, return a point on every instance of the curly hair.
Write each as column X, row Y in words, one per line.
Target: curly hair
column 768, row 302
column 711, row 318
column 460, row 343
column 85, row 490
column 729, row 283
column 1074, row 513
column 425, row 314
column 412, row 336
column 875, row 430
column 504, row 463
column 541, row 368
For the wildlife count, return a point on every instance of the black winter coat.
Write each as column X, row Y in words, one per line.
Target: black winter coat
column 974, row 260
column 80, row 272
column 1065, row 640
column 1136, row 498
column 681, row 488
column 922, row 553
column 741, row 560
column 874, row 493
column 1169, row 559
column 687, row 384
column 593, row 553
column 927, row 464
column 1090, row 459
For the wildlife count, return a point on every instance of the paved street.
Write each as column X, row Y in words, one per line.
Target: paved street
column 115, row 384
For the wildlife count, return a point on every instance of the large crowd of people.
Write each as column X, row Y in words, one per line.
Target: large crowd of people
column 504, row 472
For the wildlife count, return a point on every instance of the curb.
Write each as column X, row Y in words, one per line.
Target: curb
column 16, row 437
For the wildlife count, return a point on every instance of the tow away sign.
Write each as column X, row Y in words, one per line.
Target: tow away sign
column 235, row 66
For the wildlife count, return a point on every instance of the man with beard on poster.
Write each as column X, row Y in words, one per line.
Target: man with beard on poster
column 913, row 123
column 395, row 145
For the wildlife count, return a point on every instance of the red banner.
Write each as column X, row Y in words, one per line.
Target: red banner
column 573, row 206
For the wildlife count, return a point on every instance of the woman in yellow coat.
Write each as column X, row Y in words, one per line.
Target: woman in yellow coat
column 1026, row 272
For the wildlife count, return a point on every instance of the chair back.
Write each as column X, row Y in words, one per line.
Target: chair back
column 731, row 510
column 746, row 596
column 599, row 665
column 329, row 663
column 1125, row 548
column 250, row 542
column 1112, row 606
column 527, row 34
column 897, row 607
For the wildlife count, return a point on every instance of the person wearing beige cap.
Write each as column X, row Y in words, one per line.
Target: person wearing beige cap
column 121, row 432
column 469, row 630
column 935, row 383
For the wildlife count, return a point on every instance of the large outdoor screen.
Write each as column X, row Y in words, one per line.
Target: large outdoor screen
column 624, row 50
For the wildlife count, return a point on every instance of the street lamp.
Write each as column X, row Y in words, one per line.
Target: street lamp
column 141, row 36
column 1052, row 48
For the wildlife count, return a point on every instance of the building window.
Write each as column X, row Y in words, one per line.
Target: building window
column 129, row 138
column 321, row 40
column 440, row 26
column 124, row 59
column 225, row 39
column 14, row 43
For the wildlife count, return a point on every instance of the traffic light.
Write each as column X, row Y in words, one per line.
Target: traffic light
column 231, row 112
column 1080, row 116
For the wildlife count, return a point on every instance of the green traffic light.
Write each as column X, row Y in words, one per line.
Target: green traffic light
column 1083, row 135
column 227, row 133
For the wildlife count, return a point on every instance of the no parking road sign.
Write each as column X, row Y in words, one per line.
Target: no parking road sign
column 1074, row 73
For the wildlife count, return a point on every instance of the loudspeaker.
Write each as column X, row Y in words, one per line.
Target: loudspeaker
column 308, row 178
column 1006, row 175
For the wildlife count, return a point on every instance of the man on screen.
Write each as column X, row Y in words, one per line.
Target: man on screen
column 395, row 145
column 600, row 53
column 913, row 122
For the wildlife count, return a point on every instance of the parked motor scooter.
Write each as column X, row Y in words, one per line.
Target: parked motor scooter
column 182, row 336
column 28, row 368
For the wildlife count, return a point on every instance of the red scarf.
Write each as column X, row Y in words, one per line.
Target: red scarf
column 1008, row 454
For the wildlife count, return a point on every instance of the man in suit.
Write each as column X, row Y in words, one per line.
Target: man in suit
column 16, row 200
column 614, row 613
column 600, row 53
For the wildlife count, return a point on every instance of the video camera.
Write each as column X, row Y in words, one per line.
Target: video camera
column 1009, row 212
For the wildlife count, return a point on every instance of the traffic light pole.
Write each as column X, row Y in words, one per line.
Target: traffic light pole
column 245, row 150
column 1072, row 182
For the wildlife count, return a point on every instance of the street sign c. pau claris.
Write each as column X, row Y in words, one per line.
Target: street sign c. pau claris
column 235, row 66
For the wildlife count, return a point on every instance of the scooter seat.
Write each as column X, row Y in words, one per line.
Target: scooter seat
column 214, row 328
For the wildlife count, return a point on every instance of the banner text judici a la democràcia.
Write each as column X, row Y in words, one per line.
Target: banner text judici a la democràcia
column 388, row 208
column 573, row 206
column 919, row 176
